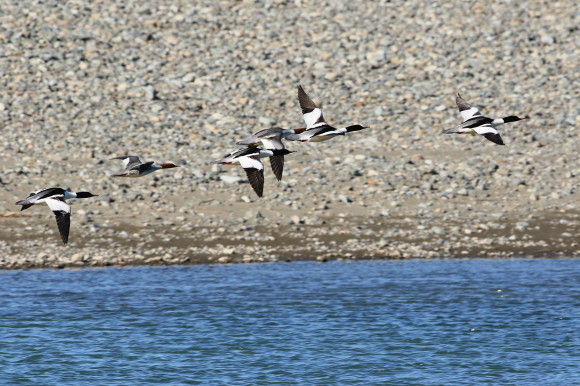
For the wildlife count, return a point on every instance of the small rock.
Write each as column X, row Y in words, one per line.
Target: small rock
column 265, row 121
column 188, row 77
column 522, row 225
column 150, row 93
column 229, row 179
column 344, row 198
column 375, row 57
column 438, row 230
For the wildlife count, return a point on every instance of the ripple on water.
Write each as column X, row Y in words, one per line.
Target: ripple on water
column 366, row 322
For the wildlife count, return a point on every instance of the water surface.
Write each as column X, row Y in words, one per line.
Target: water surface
column 400, row 322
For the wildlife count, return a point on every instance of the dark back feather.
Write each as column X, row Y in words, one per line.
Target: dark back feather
column 143, row 167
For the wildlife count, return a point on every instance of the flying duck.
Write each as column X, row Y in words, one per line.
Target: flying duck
column 249, row 158
column 317, row 130
column 55, row 199
column 475, row 123
column 135, row 168
column 272, row 140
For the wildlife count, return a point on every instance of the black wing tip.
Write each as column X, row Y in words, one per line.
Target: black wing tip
column 125, row 156
column 301, row 91
column 256, row 178
column 495, row 138
column 461, row 103
column 63, row 225
column 277, row 164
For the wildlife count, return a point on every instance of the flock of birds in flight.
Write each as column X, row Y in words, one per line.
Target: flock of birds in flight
column 249, row 157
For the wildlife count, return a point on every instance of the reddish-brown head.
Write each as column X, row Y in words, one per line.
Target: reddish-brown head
column 168, row 166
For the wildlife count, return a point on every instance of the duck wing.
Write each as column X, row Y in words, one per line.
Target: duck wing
column 129, row 161
column 311, row 113
column 465, row 109
column 495, row 138
column 33, row 197
column 277, row 164
column 273, row 133
column 61, row 212
column 255, row 172
column 489, row 133
column 141, row 168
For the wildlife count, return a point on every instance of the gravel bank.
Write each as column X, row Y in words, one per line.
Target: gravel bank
column 84, row 81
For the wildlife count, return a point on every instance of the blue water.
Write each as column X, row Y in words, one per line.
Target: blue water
column 390, row 322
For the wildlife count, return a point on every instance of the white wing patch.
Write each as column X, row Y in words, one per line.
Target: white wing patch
column 312, row 117
column 250, row 162
column 307, row 134
column 271, row 144
column 336, row 132
column 468, row 114
column 485, row 129
column 57, row 205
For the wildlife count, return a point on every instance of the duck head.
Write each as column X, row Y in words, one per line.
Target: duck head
column 282, row 151
column 168, row 166
column 513, row 118
column 355, row 128
column 85, row 195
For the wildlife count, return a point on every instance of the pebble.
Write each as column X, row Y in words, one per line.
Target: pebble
column 229, row 179
column 344, row 198
column 437, row 230
column 521, row 226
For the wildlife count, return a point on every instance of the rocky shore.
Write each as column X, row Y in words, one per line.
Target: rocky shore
column 171, row 81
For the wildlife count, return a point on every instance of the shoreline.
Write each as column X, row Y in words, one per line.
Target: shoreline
column 305, row 260
column 328, row 239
